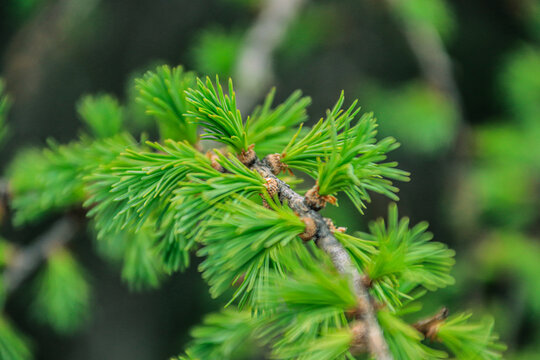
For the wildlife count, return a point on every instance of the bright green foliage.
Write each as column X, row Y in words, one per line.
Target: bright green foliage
column 5, row 104
column 162, row 93
column 353, row 165
column 102, row 114
column 53, row 186
column 332, row 345
column 405, row 255
column 141, row 184
column 215, row 51
column 227, row 335
column 307, row 309
column 272, row 128
column 470, row 340
column 423, row 120
column 404, row 341
column 155, row 203
column 270, row 233
column 13, row 346
column 218, row 113
column 141, row 268
column 196, row 203
column 57, row 173
column 62, row 293
column 360, row 250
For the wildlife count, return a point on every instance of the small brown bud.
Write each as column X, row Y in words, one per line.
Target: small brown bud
column 271, row 186
column 314, row 200
column 310, row 230
column 275, row 164
column 366, row 281
column 248, row 157
column 215, row 164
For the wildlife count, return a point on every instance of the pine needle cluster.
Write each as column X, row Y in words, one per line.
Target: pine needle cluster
column 155, row 204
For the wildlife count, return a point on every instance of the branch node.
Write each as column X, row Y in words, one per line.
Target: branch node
column 310, row 230
column 248, row 157
column 215, row 164
column 275, row 164
column 313, row 199
column 271, row 186
column 332, row 227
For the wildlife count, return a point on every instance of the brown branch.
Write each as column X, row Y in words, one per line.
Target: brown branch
column 326, row 240
column 26, row 260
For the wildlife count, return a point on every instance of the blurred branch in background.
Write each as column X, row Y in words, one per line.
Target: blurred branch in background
column 428, row 48
column 27, row 259
column 253, row 73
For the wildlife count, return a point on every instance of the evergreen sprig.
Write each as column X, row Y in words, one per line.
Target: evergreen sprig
column 227, row 335
column 162, row 93
column 404, row 341
column 62, row 293
column 354, row 165
column 272, row 128
column 13, row 345
column 218, row 113
column 58, row 171
column 405, row 255
column 102, row 114
column 270, row 233
column 470, row 340
column 305, row 311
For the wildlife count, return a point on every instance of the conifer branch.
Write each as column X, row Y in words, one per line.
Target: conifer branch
column 326, row 240
column 28, row 259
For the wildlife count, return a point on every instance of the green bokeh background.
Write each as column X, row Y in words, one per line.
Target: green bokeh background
column 475, row 175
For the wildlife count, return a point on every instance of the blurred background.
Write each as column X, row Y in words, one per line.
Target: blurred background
column 456, row 82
